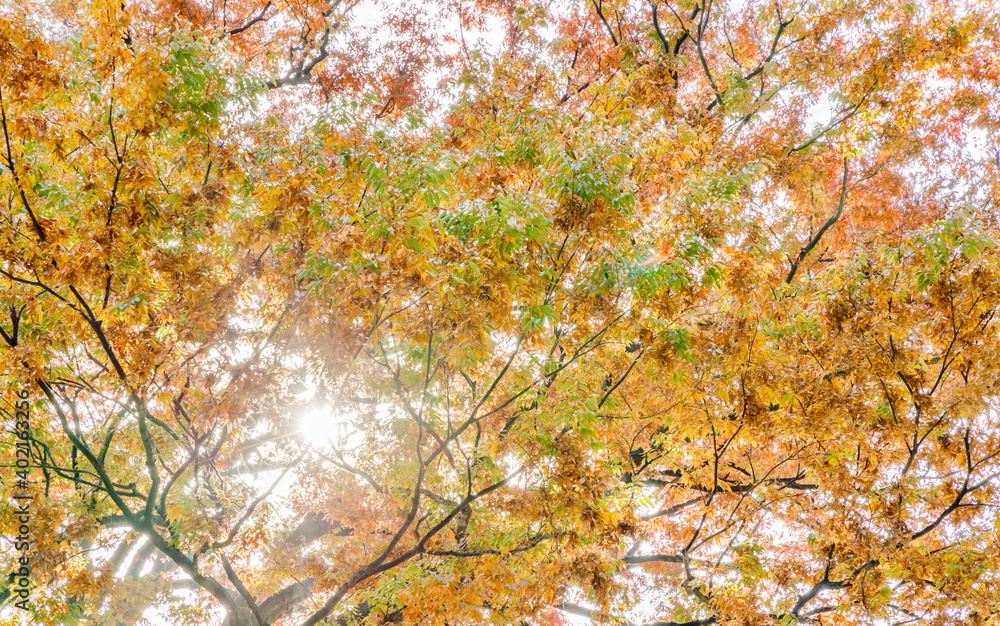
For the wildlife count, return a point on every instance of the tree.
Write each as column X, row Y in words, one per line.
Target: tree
column 672, row 313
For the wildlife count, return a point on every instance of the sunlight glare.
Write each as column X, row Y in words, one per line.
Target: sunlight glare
column 320, row 425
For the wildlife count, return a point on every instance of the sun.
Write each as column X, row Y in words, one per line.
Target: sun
column 321, row 425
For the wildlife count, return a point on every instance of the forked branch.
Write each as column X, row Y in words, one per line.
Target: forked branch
column 804, row 252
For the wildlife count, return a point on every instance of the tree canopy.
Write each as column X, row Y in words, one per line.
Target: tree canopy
column 647, row 312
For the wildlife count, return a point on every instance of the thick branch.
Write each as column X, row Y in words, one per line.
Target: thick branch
column 819, row 234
